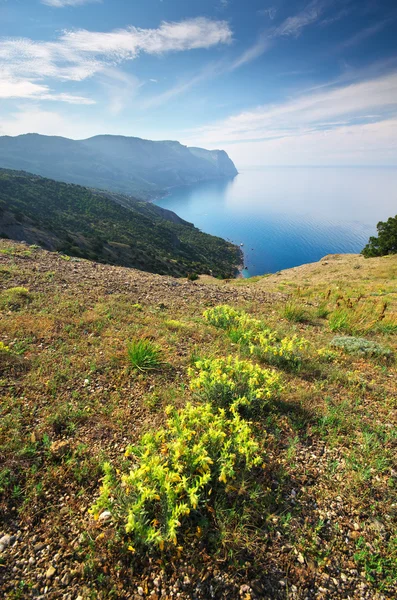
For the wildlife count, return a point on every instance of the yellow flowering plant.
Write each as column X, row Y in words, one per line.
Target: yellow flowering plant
column 261, row 341
column 4, row 349
column 179, row 471
column 232, row 382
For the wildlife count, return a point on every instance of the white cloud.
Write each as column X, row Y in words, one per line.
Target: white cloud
column 126, row 44
column 293, row 26
column 33, row 119
column 63, row 3
column 281, row 133
column 14, row 88
column 79, row 54
column 369, row 144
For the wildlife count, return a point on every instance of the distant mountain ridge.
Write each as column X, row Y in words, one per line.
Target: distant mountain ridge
column 127, row 165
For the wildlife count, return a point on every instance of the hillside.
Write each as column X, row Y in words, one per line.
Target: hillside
column 310, row 510
column 85, row 223
column 127, row 165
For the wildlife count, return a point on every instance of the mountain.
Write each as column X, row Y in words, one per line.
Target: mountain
column 127, row 165
column 95, row 225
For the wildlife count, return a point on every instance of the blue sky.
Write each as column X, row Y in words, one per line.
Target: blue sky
column 279, row 82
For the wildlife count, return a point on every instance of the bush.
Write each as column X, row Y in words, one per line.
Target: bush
column 223, row 317
column 144, row 355
column 261, row 341
column 386, row 242
column 286, row 352
column 15, row 298
column 360, row 347
column 179, row 472
column 192, row 276
column 231, row 382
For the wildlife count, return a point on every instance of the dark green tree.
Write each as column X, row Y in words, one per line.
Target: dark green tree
column 386, row 242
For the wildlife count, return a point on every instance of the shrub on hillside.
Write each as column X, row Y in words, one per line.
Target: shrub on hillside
column 15, row 298
column 360, row 347
column 386, row 242
column 179, row 473
column 231, row 382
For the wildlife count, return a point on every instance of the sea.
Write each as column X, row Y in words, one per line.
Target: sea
column 283, row 217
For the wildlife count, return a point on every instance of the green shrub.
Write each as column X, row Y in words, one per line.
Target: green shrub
column 253, row 333
column 223, row 316
column 386, row 242
column 231, row 382
column 192, row 276
column 360, row 347
column 144, row 355
column 295, row 313
column 179, row 472
column 15, row 298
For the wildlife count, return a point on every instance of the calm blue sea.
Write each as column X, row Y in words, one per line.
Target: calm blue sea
column 287, row 216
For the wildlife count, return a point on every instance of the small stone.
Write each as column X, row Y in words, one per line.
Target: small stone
column 66, row 579
column 105, row 516
column 140, row 591
column 59, row 449
column 5, row 541
column 50, row 572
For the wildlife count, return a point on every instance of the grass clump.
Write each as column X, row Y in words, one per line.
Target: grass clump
column 15, row 298
column 179, row 472
column 360, row 347
column 356, row 316
column 144, row 355
column 231, row 382
column 295, row 313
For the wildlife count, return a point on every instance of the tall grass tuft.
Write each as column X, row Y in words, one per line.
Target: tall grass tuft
column 295, row 313
column 144, row 355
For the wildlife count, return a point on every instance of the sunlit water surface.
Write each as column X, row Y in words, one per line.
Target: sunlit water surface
column 289, row 216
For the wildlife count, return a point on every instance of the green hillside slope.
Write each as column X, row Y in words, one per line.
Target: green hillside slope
column 82, row 222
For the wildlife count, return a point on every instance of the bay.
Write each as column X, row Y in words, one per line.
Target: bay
column 288, row 216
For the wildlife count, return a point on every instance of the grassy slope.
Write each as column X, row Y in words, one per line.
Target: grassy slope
column 325, row 522
column 89, row 224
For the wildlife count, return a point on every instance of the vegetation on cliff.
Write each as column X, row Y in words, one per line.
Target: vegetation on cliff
column 84, row 223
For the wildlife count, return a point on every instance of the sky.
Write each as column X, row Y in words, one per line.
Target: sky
column 278, row 82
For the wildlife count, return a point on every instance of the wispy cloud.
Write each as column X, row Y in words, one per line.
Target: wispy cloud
column 210, row 71
column 79, row 54
column 262, row 44
column 290, row 27
column 364, row 34
column 268, row 12
column 63, row 3
column 293, row 26
column 315, row 111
